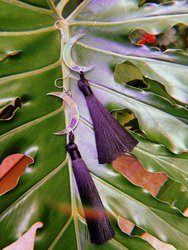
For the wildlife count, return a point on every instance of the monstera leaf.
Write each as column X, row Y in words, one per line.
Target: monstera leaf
column 31, row 60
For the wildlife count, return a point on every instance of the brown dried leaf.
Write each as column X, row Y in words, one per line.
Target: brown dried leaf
column 26, row 241
column 11, row 169
column 132, row 169
column 8, row 111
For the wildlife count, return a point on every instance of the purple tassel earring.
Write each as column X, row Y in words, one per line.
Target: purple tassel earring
column 112, row 139
column 99, row 226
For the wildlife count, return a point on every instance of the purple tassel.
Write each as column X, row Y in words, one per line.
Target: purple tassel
column 99, row 227
column 112, row 139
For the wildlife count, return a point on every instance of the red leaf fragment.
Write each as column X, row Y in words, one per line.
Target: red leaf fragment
column 132, row 169
column 11, row 169
column 148, row 38
column 26, row 241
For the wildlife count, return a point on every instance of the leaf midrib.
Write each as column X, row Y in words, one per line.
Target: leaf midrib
column 127, row 21
column 127, row 56
column 27, row 32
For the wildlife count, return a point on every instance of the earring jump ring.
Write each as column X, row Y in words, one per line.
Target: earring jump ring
column 58, row 24
column 61, row 78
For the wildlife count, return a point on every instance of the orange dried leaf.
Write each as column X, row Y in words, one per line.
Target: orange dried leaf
column 132, row 169
column 26, row 241
column 125, row 225
column 11, row 169
column 156, row 243
column 185, row 213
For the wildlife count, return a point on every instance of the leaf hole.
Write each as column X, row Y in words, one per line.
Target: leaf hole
column 9, row 110
column 137, row 84
column 126, row 118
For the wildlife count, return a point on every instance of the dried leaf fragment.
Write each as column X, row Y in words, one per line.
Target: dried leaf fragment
column 185, row 213
column 125, row 225
column 26, row 241
column 8, row 111
column 132, row 169
column 156, row 243
column 8, row 53
column 11, row 169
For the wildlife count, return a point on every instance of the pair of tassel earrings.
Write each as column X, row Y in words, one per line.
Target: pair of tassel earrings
column 112, row 141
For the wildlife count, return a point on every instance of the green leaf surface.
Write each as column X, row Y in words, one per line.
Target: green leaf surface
column 175, row 194
column 48, row 186
column 113, row 22
column 127, row 72
column 20, row 16
column 156, row 158
column 6, row 54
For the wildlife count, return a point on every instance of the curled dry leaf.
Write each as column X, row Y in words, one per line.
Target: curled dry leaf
column 6, row 54
column 132, row 169
column 26, row 241
column 8, row 111
column 11, row 169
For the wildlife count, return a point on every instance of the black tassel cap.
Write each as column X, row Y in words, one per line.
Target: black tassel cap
column 99, row 227
column 112, row 140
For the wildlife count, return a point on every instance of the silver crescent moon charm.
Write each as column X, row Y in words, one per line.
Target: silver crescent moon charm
column 72, row 108
column 68, row 59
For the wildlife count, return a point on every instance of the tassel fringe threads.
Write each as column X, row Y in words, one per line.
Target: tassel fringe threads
column 112, row 139
column 99, row 226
